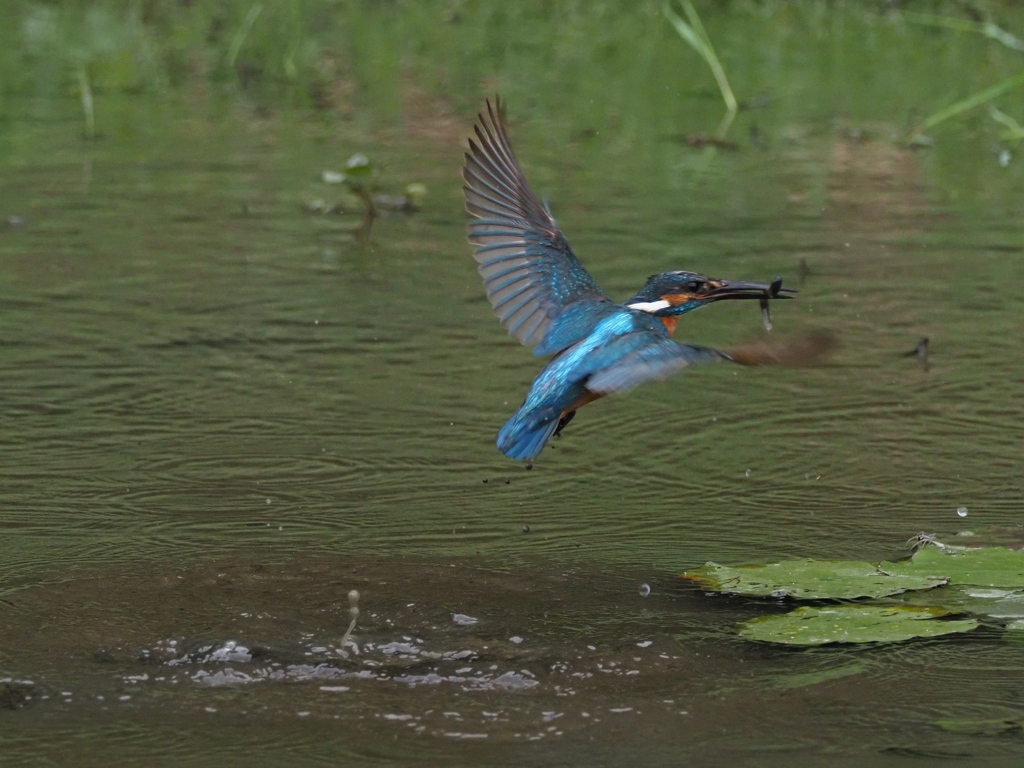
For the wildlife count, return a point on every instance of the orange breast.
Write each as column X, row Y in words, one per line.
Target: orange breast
column 588, row 397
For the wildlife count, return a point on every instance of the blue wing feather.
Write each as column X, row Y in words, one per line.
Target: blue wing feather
column 517, row 240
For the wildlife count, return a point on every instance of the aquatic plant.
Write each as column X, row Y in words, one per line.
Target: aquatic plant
column 96, row 45
column 810, row 579
column 1014, row 132
column 937, row 582
column 814, row 625
column 968, row 103
column 693, row 32
column 989, row 29
column 238, row 39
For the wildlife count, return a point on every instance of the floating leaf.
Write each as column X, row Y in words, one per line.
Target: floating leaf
column 993, row 727
column 810, row 579
column 994, row 567
column 358, row 166
column 853, row 624
column 1004, row 604
column 803, row 679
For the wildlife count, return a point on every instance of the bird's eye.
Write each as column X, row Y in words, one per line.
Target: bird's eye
column 693, row 286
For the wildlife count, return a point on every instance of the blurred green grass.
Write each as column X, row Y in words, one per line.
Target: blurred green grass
column 611, row 78
column 322, row 53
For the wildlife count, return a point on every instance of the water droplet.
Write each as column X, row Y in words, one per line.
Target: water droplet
column 748, row 473
column 645, row 590
column 961, row 511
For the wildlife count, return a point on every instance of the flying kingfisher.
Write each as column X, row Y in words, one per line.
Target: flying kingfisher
column 545, row 298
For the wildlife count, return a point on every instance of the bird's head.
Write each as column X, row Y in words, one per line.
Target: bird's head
column 675, row 293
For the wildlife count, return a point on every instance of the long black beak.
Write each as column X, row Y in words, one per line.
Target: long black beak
column 732, row 289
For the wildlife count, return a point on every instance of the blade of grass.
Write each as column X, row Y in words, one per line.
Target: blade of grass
column 87, row 108
column 243, row 32
column 971, row 102
column 1014, row 130
column 697, row 38
column 986, row 28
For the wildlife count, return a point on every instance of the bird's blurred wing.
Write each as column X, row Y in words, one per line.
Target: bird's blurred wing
column 635, row 358
column 529, row 270
column 794, row 351
column 653, row 358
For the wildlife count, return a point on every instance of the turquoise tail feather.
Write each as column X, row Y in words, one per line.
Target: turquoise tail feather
column 524, row 435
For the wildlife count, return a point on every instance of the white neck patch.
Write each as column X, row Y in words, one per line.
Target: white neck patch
column 650, row 306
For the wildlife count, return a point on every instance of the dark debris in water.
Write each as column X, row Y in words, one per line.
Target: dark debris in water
column 15, row 694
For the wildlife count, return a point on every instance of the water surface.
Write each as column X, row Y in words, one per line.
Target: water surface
column 222, row 412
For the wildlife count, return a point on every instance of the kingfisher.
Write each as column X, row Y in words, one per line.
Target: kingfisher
column 546, row 299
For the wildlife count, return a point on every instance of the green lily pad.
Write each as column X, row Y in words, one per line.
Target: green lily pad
column 993, row 567
column 853, row 624
column 997, row 603
column 1000, row 604
column 810, row 579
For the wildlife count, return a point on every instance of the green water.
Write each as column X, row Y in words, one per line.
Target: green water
column 221, row 411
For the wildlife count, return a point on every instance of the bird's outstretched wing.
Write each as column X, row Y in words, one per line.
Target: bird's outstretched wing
column 529, row 270
column 654, row 357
